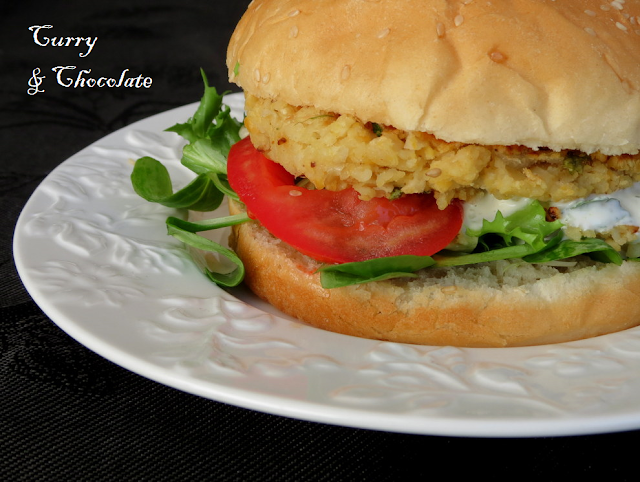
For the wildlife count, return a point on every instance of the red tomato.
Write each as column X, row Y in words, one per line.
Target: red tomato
column 336, row 226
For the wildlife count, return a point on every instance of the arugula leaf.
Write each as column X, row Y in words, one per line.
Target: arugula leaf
column 233, row 278
column 527, row 235
column 212, row 122
column 334, row 276
column 598, row 249
column 518, row 235
column 508, row 252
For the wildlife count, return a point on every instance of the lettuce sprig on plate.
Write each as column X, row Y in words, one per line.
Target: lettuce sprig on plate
column 210, row 134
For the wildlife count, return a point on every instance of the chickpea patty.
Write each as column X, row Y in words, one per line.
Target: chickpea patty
column 336, row 151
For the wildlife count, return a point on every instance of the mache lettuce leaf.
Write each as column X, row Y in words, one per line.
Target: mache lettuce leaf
column 231, row 278
column 210, row 133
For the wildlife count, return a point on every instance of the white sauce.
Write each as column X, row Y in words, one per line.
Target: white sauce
column 603, row 212
column 597, row 212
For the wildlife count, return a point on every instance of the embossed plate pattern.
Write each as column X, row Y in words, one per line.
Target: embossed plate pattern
column 98, row 261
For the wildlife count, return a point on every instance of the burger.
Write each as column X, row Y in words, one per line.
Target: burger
column 441, row 172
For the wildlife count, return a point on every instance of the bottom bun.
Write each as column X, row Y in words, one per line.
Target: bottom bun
column 498, row 304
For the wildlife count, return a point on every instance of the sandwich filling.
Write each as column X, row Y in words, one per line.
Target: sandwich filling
column 390, row 233
column 595, row 194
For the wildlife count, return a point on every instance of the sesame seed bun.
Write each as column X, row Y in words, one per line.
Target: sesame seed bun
column 554, row 74
column 498, row 304
column 534, row 74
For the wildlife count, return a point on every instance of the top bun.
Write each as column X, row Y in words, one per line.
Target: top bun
column 539, row 73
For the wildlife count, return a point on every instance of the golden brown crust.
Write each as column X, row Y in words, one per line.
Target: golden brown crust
column 527, row 72
column 457, row 309
column 335, row 152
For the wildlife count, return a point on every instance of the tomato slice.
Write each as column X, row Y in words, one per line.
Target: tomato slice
column 336, row 226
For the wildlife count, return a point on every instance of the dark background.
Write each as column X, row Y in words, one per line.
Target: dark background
column 68, row 414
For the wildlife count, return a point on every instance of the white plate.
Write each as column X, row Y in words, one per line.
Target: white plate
column 98, row 261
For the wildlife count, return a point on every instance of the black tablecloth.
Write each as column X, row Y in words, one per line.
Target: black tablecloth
column 68, row 414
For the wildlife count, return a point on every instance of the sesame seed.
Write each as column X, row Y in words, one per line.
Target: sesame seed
column 294, row 13
column 637, row 31
column 497, row 56
column 293, row 32
column 435, row 172
column 467, row 2
column 447, row 290
column 458, row 20
column 295, row 193
column 621, row 27
column 265, row 78
column 440, row 30
column 346, row 72
column 616, row 4
column 591, row 13
column 383, row 33
column 256, row 75
column 606, row 8
column 590, row 31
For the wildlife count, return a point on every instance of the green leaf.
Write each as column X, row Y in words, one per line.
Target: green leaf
column 518, row 235
column 210, row 134
column 209, row 108
column 526, row 234
column 596, row 248
column 208, row 224
column 334, row 276
column 183, row 130
column 229, row 279
column 507, row 252
column 212, row 122
column 528, row 225
column 151, row 181
column 223, row 185
column 224, row 131
column 201, row 157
